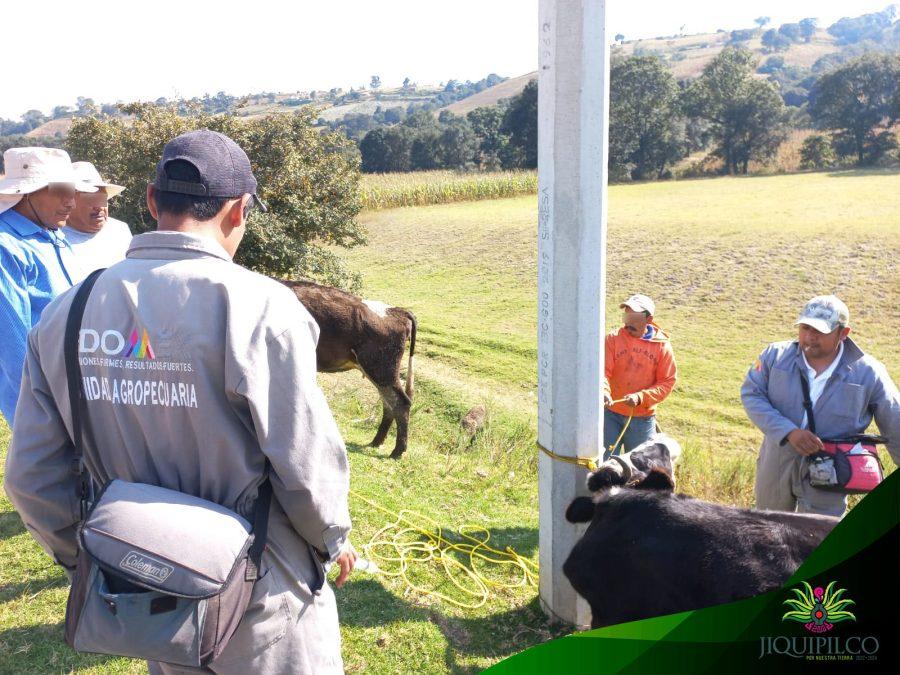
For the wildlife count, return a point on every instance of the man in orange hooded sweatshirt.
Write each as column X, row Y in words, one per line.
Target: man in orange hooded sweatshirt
column 640, row 373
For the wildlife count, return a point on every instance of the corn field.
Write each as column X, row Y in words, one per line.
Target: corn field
column 421, row 188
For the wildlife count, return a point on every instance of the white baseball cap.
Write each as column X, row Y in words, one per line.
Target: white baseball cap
column 824, row 313
column 639, row 303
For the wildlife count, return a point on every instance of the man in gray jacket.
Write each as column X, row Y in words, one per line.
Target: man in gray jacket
column 197, row 373
column 847, row 389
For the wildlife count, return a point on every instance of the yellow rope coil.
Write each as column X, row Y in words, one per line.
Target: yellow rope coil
column 405, row 542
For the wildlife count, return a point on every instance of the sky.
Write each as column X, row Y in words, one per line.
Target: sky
column 122, row 50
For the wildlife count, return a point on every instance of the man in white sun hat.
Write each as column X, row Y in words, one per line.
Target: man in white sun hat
column 36, row 263
column 847, row 390
column 97, row 240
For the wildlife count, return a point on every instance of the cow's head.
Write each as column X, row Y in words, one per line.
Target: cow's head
column 660, row 451
column 582, row 509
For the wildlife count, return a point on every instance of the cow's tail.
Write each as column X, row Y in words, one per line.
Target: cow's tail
column 410, row 379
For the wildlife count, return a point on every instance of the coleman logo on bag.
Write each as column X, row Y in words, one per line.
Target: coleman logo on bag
column 145, row 566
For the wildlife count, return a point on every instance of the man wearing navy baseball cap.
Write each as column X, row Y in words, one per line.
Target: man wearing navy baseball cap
column 206, row 384
column 847, row 390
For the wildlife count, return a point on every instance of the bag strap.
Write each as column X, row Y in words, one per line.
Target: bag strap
column 807, row 403
column 77, row 402
column 260, row 527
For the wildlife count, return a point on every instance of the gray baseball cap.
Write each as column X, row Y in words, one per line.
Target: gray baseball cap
column 223, row 166
column 824, row 313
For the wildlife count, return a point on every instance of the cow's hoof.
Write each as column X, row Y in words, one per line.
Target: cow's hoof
column 397, row 454
column 376, row 443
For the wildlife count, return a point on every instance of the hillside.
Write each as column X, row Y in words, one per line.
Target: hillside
column 490, row 96
column 685, row 55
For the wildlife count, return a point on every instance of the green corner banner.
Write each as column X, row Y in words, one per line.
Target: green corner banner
column 839, row 612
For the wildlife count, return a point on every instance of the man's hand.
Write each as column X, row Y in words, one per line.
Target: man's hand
column 607, row 400
column 632, row 399
column 805, row 442
column 346, row 561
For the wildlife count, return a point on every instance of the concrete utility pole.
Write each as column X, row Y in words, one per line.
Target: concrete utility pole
column 573, row 99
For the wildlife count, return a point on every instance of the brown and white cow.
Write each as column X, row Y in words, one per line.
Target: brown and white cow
column 368, row 336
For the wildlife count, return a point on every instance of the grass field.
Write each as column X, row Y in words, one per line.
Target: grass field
column 729, row 262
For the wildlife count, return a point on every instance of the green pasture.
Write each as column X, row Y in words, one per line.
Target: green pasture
column 729, row 262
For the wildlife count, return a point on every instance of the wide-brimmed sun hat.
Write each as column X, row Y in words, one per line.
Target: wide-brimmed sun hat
column 31, row 169
column 87, row 173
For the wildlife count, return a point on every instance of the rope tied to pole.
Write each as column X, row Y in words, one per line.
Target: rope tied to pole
column 590, row 463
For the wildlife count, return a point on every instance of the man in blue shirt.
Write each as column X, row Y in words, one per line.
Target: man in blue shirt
column 36, row 262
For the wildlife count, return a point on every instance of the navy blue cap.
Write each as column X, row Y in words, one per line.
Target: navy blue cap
column 223, row 166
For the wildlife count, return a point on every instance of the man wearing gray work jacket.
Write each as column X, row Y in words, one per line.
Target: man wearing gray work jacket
column 198, row 371
column 848, row 389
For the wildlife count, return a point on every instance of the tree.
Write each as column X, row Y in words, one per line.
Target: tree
column 61, row 111
column 406, row 83
column 520, row 124
column 808, row 28
column 375, row 82
column 746, row 115
column 865, row 27
column 424, row 154
column 816, row 152
column 386, row 149
column 774, row 41
column 620, row 37
column 310, row 187
column 762, row 21
column 644, row 132
column 486, row 122
column 859, row 99
column 791, row 31
column 86, row 106
column 32, row 119
column 457, row 144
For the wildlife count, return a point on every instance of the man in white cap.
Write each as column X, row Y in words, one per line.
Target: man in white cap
column 640, row 373
column 36, row 263
column 847, row 389
column 97, row 240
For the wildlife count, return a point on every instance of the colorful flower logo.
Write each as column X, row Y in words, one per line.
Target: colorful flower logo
column 818, row 609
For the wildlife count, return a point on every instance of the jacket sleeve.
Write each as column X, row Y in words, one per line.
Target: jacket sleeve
column 665, row 378
column 297, row 433
column 609, row 353
column 15, row 322
column 884, row 402
column 755, row 397
column 39, row 479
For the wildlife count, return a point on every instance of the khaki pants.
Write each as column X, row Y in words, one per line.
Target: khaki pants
column 286, row 629
column 782, row 484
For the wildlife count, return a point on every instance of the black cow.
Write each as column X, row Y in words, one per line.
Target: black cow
column 649, row 551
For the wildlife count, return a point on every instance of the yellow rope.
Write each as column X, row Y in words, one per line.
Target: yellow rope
column 590, row 463
column 404, row 542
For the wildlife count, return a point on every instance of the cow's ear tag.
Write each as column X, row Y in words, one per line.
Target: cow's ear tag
column 657, row 479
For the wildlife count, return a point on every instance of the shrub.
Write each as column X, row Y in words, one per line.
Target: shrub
column 817, row 153
column 305, row 178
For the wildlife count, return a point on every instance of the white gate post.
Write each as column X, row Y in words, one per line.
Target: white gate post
column 573, row 98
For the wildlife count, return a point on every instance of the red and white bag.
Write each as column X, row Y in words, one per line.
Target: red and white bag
column 848, row 465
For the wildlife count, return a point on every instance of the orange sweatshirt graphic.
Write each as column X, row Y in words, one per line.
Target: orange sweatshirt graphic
column 643, row 365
